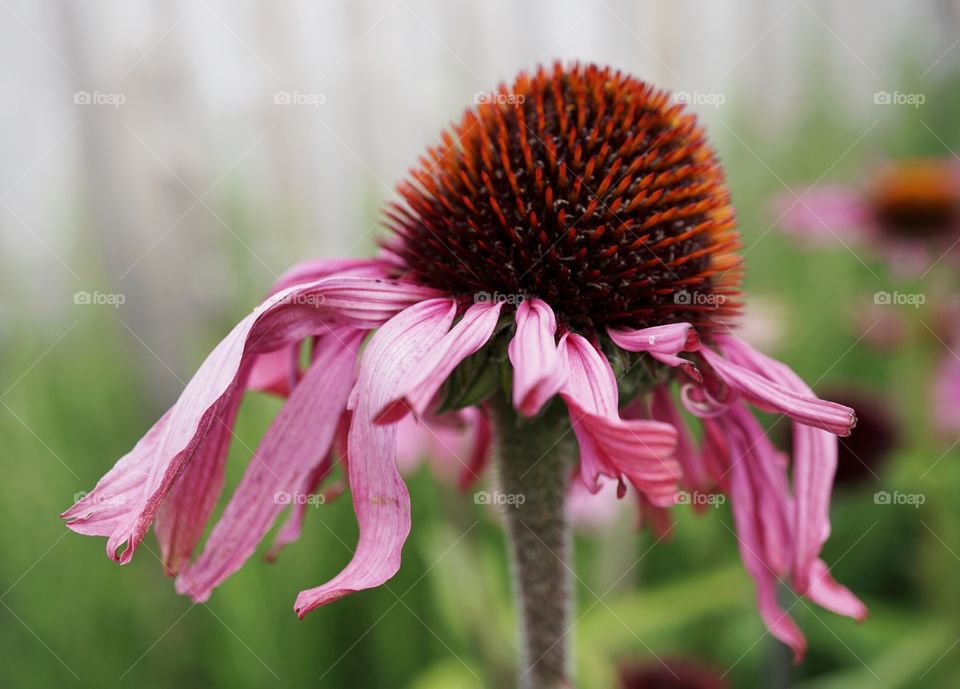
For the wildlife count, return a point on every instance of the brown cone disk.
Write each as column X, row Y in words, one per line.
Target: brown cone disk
column 913, row 199
column 582, row 186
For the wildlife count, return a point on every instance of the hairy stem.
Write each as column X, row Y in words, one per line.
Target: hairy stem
column 535, row 458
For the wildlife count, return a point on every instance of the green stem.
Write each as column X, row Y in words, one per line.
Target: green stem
column 535, row 458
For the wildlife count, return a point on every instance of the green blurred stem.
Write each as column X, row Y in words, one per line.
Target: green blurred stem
column 535, row 459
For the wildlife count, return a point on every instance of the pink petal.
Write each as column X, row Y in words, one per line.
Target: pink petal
column 537, row 374
column 773, row 396
column 417, row 390
column 662, row 342
column 814, row 464
column 183, row 515
column 691, row 462
column 317, row 269
column 126, row 500
column 380, row 498
column 293, row 525
column 640, row 449
column 827, row 593
column 295, row 443
column 276, row 372
column 749, row 519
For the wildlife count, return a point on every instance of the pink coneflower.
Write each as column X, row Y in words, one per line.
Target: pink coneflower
column 567, row 249
column 909, row 210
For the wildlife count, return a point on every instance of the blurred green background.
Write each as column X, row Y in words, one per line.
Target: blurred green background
column 81, row 384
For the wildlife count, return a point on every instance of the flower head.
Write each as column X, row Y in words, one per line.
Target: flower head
column 592, row 214
column 909, row 210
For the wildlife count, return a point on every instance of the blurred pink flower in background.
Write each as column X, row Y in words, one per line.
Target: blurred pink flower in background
column 908, row 210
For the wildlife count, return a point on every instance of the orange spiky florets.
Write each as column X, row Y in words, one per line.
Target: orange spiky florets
column 582, row 186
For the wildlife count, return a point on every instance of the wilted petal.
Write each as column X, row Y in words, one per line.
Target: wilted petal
column 380, row 498
column 537, row 374
column 752, row 539
column 663, row 409
column 827, row 593
column 639, row 449
column 773, row 396
column 296, row 441
column 662, row 342
column 138, row 484
column 183, row 515
column 814, row 464
column 417, row 389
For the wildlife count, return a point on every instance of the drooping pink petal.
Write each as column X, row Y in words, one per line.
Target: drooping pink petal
column 827, row 593
column 416, row 391
column 753, row 537
column 183, row 515
column 662, row 342
column 663, row 409
column 317, row 269
column 380, row 498
column 126, row 500
column 293, row 525
column 294, row 444
column 276, row 372
column 639, row 449
column 537, row 374
column 773, row 396
column 814, row 464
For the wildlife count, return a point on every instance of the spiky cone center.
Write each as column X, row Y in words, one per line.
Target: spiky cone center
column 582, row 186
column 916, row 198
